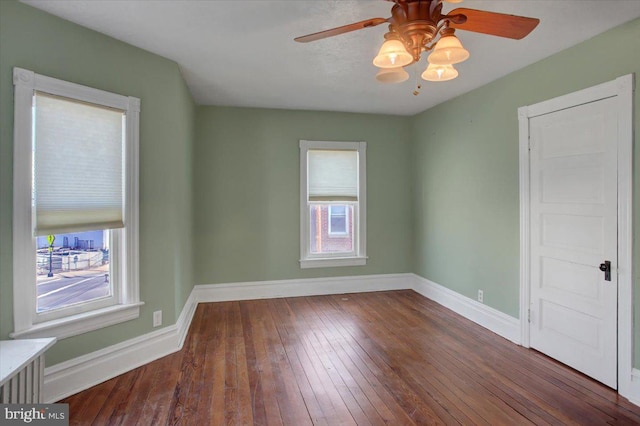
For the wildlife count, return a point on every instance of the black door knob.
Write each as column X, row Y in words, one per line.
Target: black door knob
column 606, row 268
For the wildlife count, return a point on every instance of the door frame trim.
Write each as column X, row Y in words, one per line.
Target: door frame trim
column 622, row 89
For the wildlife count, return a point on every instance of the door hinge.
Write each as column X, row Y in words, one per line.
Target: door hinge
column 529, row 315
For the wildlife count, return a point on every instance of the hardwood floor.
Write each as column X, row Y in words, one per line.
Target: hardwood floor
column 372, row 358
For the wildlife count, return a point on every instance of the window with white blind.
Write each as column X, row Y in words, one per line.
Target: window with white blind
column 332, row 204
column 75, row 222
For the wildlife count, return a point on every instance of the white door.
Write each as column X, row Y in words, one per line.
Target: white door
column 573, row 190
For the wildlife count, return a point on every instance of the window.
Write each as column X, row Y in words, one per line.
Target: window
column 73, row 269
column 339, row 215
column 75, row 231
column 332, row 204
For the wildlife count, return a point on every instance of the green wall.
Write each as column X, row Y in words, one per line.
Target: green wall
column 465, row 169
column 247, row 181
column 51, row 46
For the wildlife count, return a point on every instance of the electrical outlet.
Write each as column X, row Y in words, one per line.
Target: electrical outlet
column 480, row 296
column 157, row 318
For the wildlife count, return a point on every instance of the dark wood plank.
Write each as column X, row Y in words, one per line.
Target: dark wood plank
column 306, row 379
column 419, row 405
column 342, row 398
column 207, row 386
column 336, row 322
column 112, row 411
column 444, row 378
column 291, row 401
column 253, row 370
column 529, row 372
column 88, row 408
column 460, row 372
column 182, row 408
column 473, row 358
column 156, row 407
column 367, row 359
column 271, row 394
column 216, row 350
column 359, row 405
column 361, row 367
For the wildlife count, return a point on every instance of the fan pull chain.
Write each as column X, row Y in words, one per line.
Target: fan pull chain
column 416, row 70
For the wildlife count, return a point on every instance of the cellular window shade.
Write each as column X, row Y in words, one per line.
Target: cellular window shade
column 333, row 175
column 78, row 166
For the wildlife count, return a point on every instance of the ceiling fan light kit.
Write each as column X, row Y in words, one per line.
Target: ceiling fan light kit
column 417, row 26
column 448, row 50
column 392, row 54
column 392, row 75
column 439, row 73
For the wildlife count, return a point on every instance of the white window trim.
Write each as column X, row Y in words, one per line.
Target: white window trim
column 308, row 260
column 333, row 233
column 24, row 244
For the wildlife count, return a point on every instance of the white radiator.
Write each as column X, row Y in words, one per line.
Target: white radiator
column 22, row 370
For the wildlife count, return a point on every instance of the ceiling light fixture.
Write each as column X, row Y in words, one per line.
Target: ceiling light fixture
column 448, row 50
column 417, row 26
column 392, row 75
column 392, row 53
column 439, row 73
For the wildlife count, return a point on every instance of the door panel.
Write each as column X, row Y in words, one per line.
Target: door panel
column 573, row 230
column 575, row 280
column 581, row 183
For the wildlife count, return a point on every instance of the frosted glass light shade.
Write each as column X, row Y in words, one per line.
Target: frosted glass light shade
column 392, row 75
column 448, row 51
column 392, row 54
column 439, row 73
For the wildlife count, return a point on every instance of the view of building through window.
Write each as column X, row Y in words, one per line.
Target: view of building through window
column 73, row 268
column 338, row 224
column 331, row 228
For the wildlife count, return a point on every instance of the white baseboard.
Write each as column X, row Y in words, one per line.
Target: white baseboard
column 633, row 391
column 184, row 320
column 70, row 377
column 500, row 323
column 75, row 375
column 301, row 287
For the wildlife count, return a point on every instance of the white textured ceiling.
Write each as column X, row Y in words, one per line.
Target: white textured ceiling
column 242, row 53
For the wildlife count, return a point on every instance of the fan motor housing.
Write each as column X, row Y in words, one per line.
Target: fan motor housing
column 416, row 23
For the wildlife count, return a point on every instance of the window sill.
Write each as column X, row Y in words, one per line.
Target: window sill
column 330, row 262
column 81, row 323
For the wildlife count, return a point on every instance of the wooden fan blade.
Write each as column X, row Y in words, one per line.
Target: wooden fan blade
column 341, row 30
column 498, row 24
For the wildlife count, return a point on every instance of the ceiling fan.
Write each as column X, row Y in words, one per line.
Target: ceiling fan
column 417, row 26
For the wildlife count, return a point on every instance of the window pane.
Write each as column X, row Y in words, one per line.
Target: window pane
column 331, row 234
column 73, row 269
column 338, row 220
